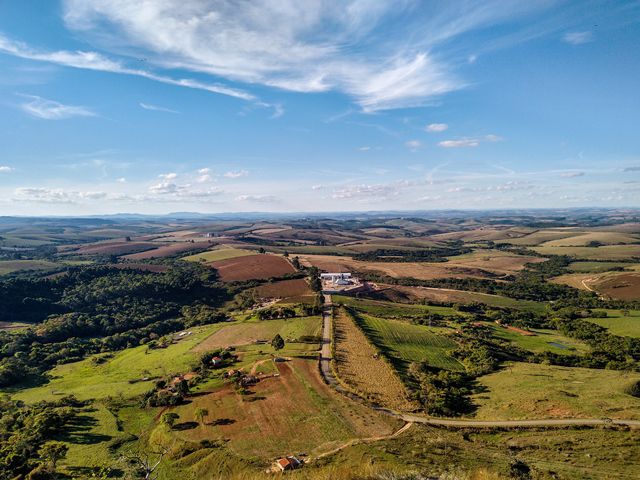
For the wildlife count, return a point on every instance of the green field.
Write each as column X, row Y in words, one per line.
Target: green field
column 390, row 310
column 404, row 342
column 219, row 254
column 619, row 324
column 596, row 267
column 543, row 341
column 10, row 266
column 528, row 390
column 607, row 252
column 86, row 380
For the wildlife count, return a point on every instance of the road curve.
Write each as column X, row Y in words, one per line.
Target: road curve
column 329, row 378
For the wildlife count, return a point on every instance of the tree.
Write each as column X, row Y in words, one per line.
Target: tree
column 169, row 419
column 278, row 342
column 53, row 451
column 262, row 250
column 146, row 463
column 201, row 414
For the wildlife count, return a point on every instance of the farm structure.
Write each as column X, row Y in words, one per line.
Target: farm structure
column 288, row 463
column 340, row 282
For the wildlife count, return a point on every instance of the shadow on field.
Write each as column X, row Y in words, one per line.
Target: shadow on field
column 185, row 426
column 78, row 430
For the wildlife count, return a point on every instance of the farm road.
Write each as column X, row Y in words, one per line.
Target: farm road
column 327, row 374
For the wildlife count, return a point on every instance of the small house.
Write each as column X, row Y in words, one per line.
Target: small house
column 288, row 463
column 248, row 380
column 216, row 361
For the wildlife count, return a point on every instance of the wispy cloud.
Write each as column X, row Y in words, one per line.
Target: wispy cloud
column 436, row 127
column 578, row 38
column 51, row 110
column 156, row 108
column 398, row 68
column 257, row 198
column 572, row 174
column 49, row 195
column 6, row 169
column 469, row 142
column 413, row 145
column 237, row 174
column 95, row 61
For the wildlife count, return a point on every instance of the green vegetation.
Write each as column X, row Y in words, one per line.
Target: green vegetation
column 392, row 310
column 544, row 340
column 11, row 266
column 524, row 390
column 597, row 267
column 625, row 323
column 405, row 343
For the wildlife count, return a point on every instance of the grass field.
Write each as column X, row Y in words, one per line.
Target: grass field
column 392, row 310
column 250, row 331
column 526, row 390
column 404, row 342
column 619, row 324
column 543, row 341
column 165, row 251
column 582, row 239
column 606, row 252
column 623, row 286
column 218, row 254
column 595, row 267
column 10, row 266
column 359, row 365
column 114, row 248
column 249, row 267
column 86, row 380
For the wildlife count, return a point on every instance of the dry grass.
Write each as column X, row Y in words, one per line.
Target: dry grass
column 360, row 366
column 165, row 251
column 114, row 248
column 582, row 239
column 252, row 267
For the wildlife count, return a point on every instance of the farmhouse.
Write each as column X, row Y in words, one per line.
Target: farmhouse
column 216, row 361
column 341, row 282
column 288, row 463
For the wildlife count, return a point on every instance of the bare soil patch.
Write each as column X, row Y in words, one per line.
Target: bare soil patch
column 252, row 267
column 285, row 289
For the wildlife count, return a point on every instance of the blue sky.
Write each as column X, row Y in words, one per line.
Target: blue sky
column 279, row 105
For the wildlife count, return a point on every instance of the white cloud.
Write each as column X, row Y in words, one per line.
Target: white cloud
column 6, row 169
column 572, row 174
column 381, row 53
column 469, row 142
column 204, row 178
column 371, row 191
column 413, row 145
column 578, row 38
column 436, row 127
column 121, row 180
column 51, row 110
column 237, row 174
column 317, row 187
column 156, row 108
column 364, row 149
column 257, row 198
column 58, row 195
column 204, row 171
column 97, row 61
column 168, row 176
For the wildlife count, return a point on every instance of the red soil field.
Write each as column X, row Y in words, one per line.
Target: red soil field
column 166, row 250
column 251, row 267
column 114, row 248
column 285, row 289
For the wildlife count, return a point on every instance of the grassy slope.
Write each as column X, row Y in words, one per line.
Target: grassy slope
column 619, row 324
column 541, row 341
column 526, row 390
column 10, row 266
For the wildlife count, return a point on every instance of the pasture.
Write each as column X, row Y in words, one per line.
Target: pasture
column 293, row 412
column 626, row 324
column 543, row 340
column 583, row 239
column 403, row 342
column 596, row 267
column 165, row 251
column 249, row 267
column 117, row 248
column 363, row 369
column 252, row 331
column 285, row 289
column 623, row 286
column 218, row 254
column 390, row 309
column 11, row 266
column 528, row 390
column 86, row 380
column 605, row 252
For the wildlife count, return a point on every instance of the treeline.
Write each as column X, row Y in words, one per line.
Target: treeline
column 433, row 255
column 97, row 309
column 26, row 450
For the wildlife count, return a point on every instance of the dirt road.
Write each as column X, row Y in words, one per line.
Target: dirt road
column 327, row 374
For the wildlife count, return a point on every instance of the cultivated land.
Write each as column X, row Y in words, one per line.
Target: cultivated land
column 363, row 369
column 103, row 330
column 250, row 267
column 523, row 390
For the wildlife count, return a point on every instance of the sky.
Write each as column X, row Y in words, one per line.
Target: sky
column 159, row 106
